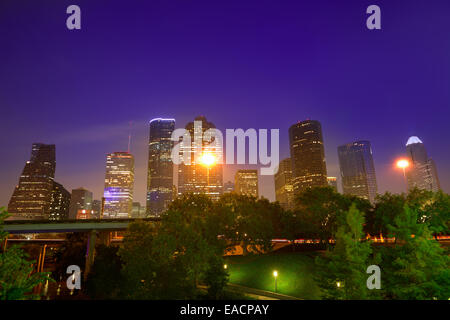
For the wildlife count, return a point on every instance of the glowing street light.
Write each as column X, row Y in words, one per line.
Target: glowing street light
column 403, row 164
column 275, row 275
column 225, row 266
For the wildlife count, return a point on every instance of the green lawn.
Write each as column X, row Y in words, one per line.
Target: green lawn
column 295, row 273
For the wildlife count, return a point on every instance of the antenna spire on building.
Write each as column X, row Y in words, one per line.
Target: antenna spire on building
column 129, row 137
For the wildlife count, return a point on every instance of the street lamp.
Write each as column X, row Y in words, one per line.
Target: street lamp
column 403, row 164
column 225, row 266
column 275, row 275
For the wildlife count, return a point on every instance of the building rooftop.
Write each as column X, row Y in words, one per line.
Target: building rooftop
column 413, row 140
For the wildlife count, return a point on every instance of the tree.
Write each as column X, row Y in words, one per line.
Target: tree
column 151, row 269
column 105, row 279
column 387, row 207
column 249, row 222
column 432, row 208
column 171, row 260
column 17, row 279
column 320, row 208
column 72, row 252
column 416, row 267
column 216, row 278
column 342, row 271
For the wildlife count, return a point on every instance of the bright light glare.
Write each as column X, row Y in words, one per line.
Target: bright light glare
column 275, row 273
column 403, row 163
column 208, row 159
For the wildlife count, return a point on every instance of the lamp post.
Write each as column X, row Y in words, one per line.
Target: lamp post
column 275, row 275
column 403, row 164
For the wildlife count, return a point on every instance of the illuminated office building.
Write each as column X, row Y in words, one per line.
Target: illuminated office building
column 422, row 172
column 228, row 187
column 332, row 182
column 96, row 209
column 81, row 200
column 246, row 182
column 357, row 170
column 284, row 190
column 32, row 197
column 307, row 155
column 60, row 201
column 136, row 210
column 119, row 181
column 84, row 214
column 197, row 176
column 160, row 166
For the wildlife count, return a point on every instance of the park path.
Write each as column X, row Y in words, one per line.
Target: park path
column 260, row 294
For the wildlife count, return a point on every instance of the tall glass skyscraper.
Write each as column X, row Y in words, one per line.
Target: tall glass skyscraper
column 284, row 190
column 160, row 166
column 119, row 181
column 195, row 177
column 32, row 197
column 307, row 155
column 358, row 170
column 422, row 172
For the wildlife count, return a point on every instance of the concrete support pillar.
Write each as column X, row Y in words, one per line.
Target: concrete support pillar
column 90, row 254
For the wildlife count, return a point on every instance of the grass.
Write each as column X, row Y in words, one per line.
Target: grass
column 295, row 273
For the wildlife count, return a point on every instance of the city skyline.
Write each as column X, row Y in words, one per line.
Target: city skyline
column 262, row 67
column 136, row 197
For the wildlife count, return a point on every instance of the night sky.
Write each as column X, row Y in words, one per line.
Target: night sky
column 241, row 63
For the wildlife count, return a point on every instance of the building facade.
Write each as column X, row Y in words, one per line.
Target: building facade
column 307, row 155
column 246, row 182
column 357, row 170
column 32, row 197
column 422, row 172
column 119, row 183
column 160, row 166
column 284, row 190
column 96, row 209
column 60, row 202
column 228, row 187
column 196, row 176
column 332, row 182
column 81, row 200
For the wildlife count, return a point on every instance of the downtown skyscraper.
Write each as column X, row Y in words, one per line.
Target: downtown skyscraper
column 60, row 201
column 197, row 177
column 119, row 182
column 284, row 190
column 32, row 197
column 422, row 172
column 357, row 170
column 246, row 182
column 160, row 166
column 81, row 200
column 307, row 155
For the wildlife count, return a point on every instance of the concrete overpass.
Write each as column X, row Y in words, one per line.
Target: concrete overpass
column 49, row 226
column 93, row 228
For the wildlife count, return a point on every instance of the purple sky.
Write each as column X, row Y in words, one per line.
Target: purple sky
column 242, row 64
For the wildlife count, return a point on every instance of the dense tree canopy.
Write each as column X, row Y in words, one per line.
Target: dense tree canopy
column 17, row 276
